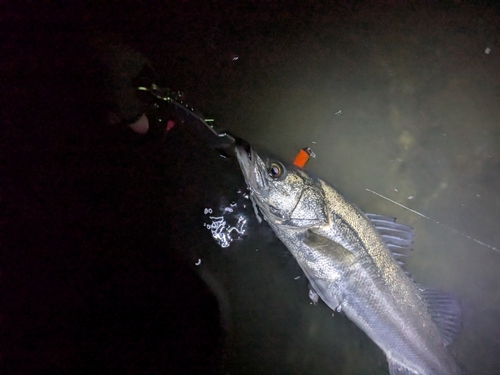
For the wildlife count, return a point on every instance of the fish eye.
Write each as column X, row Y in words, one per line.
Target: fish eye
column 276, row 170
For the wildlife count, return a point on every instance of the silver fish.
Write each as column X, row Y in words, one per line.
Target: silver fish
column 351, row 260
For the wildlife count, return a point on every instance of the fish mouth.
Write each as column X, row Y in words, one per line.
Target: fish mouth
column 246, row 158
column 253, row 172
column 241, row 143
column 243, row 153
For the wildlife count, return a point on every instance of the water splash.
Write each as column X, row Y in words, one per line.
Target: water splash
column 228, row 226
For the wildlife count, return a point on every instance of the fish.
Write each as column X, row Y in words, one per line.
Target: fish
column 355, row 263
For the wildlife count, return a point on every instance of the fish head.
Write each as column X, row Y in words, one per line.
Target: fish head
column 285, row 195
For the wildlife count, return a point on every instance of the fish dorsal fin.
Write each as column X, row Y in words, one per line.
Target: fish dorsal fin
column 444, row 308
column 446, row 312
column 398, row 237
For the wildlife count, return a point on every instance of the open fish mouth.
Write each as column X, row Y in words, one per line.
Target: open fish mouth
column 245, row 160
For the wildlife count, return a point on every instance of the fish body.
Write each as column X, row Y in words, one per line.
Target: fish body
column 351, row 261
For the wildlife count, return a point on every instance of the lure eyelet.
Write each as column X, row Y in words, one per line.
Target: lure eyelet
column 276, row 170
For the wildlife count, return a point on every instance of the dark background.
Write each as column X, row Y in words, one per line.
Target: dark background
column 93, row 280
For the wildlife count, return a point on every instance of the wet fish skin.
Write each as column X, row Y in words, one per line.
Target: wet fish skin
column 349, row 265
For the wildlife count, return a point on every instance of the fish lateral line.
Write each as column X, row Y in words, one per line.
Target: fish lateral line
column 435, row 221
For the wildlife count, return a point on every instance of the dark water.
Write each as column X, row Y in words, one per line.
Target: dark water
column 398, row 99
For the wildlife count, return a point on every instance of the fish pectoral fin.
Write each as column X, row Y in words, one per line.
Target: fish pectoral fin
column 446, row 312
column 398, row 369
column 335, row 259
column 331, row 250
column 313, row 295
column 326, row 291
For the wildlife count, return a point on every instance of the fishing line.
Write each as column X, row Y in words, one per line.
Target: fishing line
column 435, row 221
